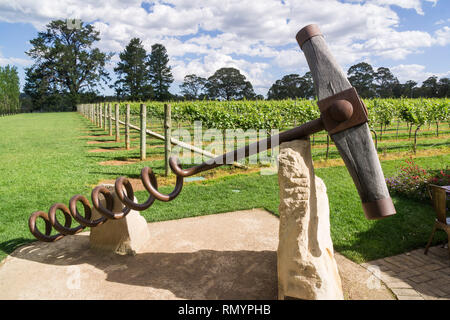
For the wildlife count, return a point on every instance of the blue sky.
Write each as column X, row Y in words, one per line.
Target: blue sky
column 411, row 37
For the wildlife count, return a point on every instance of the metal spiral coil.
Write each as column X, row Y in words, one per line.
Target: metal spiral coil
column 125, row 193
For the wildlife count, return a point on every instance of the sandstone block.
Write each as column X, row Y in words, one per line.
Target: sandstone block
column 305, row 258
column 122, row 236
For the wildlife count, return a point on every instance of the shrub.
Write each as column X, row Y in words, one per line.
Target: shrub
column 412, row 181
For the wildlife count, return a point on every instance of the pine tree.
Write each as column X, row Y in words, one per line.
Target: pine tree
column 160, row 72
column 134, row 80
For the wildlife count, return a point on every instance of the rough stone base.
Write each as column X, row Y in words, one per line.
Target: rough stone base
column 306, row 265
column 123, row 236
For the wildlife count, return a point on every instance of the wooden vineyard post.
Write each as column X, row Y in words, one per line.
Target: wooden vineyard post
column 101, row 114
column 105, row 111
column 127, row 127
column 143, row 131
column 167, row 136
column 110, row 118
column 117, row 122
column 97, row 115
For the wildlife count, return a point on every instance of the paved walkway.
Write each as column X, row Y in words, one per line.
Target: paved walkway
column 415, row 276
column 222, row 256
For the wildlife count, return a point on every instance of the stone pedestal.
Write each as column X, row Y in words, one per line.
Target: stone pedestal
column 306, row 265
column 123, row 236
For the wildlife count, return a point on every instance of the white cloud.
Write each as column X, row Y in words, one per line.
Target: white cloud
column 14, row 61
column 442, row 36
column 414, row 72
column 405, row 4
column 442, row 21
column 252, row 35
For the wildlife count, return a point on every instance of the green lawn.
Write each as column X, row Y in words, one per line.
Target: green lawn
column 44, row 160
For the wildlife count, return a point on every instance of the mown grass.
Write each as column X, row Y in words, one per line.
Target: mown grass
column 44, row 159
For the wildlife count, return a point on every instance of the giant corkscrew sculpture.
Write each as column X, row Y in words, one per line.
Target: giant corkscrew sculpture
column 343, row 115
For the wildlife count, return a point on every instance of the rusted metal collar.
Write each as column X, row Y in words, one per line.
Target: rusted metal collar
column 378, row 209
column 342, row 111
column 307, row 33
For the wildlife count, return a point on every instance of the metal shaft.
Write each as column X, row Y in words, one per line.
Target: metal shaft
column 251, row 149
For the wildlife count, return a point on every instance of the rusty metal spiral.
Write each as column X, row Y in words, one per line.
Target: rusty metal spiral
column 125, row 193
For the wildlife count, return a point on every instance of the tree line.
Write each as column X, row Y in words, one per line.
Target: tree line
column 381, row 83
column 69, row 70
column 9, row 90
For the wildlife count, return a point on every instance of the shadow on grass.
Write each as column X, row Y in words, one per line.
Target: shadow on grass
column 136, row 175
column 407, row 145
column 99, row 139
column 94, row 134
column 10, row 245
column 110, row 147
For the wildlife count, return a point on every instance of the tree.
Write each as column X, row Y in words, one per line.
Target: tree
column 133, row 78
column 193, row 86
column 444, row 88
column 65, row 60
column 41, row 90
column 292, row 86
column 307, row 88
column 9, row 90
column 287, row 87
column 386, row 82
column 160, row 72
column 429, row 87
column 361, row 76
column 229, row 84
column 408, row 88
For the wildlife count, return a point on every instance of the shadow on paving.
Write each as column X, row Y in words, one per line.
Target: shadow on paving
column 12, row 244
column 203, row 274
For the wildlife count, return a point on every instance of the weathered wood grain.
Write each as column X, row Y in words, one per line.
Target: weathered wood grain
column 110, row 119
column 355, row 145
